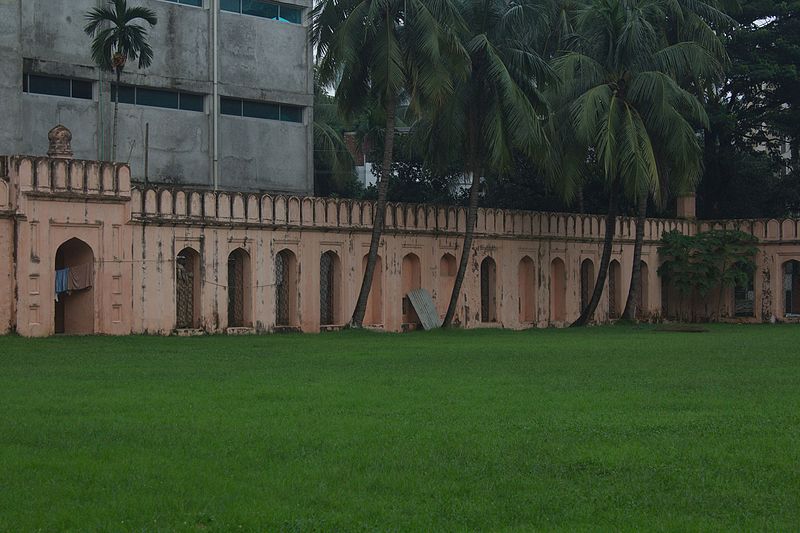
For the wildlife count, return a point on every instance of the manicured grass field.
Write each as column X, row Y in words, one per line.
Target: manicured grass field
column 604, row 428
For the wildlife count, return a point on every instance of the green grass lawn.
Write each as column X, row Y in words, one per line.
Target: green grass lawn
column 603, row 428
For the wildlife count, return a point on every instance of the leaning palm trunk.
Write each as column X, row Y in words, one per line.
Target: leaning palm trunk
column 469, row 232
column 611, row 224
column 379, row 217
column 116, row 116
column 632, row 304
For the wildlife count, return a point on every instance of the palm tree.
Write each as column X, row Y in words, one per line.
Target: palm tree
column 620, row 104
column 499, row 108
column 117, row 39
column 382, row 51
column 687, row 21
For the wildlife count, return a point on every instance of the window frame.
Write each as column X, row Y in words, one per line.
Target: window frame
column 230, row 100
column 179, row 97
column 278, row 18
column 26, row 86
column 183, row 3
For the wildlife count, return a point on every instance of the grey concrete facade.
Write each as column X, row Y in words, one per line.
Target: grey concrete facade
column 257, row 59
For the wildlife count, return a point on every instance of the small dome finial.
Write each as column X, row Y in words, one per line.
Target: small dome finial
column 60, row 143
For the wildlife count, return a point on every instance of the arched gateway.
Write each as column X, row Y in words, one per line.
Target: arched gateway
column 74, row 287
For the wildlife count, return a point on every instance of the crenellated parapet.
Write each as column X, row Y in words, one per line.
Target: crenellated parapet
column 186, row 206
column 65, row 178
column 786, row 231
column 61, row 178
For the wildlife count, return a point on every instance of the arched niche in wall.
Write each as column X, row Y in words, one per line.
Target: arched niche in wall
column 791, row 288
column 488, row 290
column 187, row 289
column 587, row 282
column 643, row 302
column 240, row 290
column 74, row 307
column 448, row 269
column 412, row 280
column 330, row 289
column 558, row 290
column 286, row 289
column 526, row 277
column 374, row 312
column 615, row 301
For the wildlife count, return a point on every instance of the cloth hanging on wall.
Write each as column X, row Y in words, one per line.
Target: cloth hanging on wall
column 80, row 277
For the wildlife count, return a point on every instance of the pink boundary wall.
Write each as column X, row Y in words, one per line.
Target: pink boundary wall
column 136, row 233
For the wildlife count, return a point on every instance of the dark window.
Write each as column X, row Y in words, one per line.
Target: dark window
column 48, row 85
column 265, row 110
column 127, row 94
column 260, row 110
column 260, row 9
column 291, row 113
column 191, row 102
column 82, row 89
column 263, row 9
column 34, row 83
column 231, row 106
column 291, row 14
column 156, row 98
column 198, row 3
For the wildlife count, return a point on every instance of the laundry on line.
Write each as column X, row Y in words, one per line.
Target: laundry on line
column 74, row 278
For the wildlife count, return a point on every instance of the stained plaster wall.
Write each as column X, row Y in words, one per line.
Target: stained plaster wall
column 136, row 233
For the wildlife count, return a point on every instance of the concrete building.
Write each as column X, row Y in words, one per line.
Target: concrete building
column 161, row 260
column 228, row 98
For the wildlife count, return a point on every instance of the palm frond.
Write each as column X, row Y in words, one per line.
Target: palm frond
column 113, row 33
column 687, row 59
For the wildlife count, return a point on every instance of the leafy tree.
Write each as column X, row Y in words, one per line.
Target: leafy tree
column 754, row 117
column 621, row 104
column 676, row 268
column 117, row 39
column 732, row 254
column 697, row 265
column 497, row 108
column 380, row 51
column 414, row 180
column 765, row 78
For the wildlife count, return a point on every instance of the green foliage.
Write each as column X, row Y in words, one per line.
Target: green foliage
column 751, row 148
column 413, row 180
column 498, row 107
column 712, row 260
column 117, row 38
column 764, row 85
column 637, row 80
column 677, row 267
column 624, row 98
column 374, row 51
column 732, row 253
